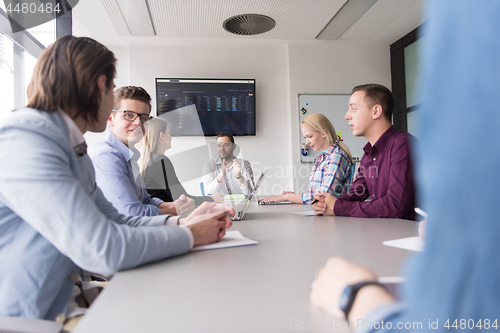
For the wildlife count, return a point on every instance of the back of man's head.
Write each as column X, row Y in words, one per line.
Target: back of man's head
column 131, row 92
column 378, row 94
column 65, row 77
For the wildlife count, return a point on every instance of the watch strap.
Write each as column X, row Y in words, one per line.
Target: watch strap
column 354, row 291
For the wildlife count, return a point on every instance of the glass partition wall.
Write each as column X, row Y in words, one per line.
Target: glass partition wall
column 405, row 70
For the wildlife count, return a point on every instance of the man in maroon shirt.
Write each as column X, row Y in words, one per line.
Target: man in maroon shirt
column 385, row 176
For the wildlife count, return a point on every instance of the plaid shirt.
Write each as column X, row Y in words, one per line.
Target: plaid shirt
column 331, row 173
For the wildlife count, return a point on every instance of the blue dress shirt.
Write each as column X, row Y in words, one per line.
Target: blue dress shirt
column 54, row 220
column 118, row 176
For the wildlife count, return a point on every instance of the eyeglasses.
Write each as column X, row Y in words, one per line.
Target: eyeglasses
column 131, row 115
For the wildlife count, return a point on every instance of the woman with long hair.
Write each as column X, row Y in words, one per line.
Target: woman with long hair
column 332, row 168
column 157, row 169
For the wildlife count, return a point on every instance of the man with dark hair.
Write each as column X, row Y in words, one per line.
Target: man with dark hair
column 54, row 220
column 384, row 184
column 227, row 174
column 378, row 94
column 115, row 159
column 450, row 286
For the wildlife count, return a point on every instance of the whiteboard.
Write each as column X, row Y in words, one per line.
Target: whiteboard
column 334, row 107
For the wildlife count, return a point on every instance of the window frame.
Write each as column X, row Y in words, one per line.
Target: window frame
column 398, row 78
column 24, row 41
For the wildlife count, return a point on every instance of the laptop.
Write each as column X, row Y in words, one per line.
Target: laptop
column 275, row 203
column 259, row 181
column 241, row 208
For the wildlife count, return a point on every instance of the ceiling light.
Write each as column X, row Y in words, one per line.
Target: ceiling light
column 345, row 18
column 137, row 15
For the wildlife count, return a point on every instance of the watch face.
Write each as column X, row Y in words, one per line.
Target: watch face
column 344, row 299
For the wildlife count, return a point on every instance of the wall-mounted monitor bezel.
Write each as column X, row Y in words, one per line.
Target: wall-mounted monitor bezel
column 212, row 82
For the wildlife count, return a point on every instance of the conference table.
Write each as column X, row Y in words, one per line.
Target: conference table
column 255, row 288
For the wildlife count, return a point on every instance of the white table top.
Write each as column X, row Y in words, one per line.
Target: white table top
column 257, row 288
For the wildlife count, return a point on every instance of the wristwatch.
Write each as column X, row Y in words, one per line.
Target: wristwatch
column 349, row 295
column 241, row 176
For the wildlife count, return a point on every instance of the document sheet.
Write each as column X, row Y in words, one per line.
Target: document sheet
column 408, row 243
column 231, row 239
column 305, row 213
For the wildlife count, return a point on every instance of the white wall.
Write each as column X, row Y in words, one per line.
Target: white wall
column 329, row 68
column 282, row 72
column 268, row 64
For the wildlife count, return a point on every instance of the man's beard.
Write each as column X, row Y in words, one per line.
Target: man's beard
column 229, row 157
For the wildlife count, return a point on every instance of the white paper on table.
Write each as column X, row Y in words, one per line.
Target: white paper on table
column 393, row 284
column 391, row 279
column 305, row 213
column 231, row 239
column 409, row 243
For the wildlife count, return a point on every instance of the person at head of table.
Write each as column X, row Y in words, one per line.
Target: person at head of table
column 332, row 169
column 451, row 284
column 54, row 220
column 227, row 174
column 115, row 159
column 158, row 171
column 385, row 175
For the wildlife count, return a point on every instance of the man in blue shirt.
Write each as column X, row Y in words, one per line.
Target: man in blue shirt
column 54, row 220
column 115, row 159
column 452, row 284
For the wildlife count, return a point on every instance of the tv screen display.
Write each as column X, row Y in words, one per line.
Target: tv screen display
column 207, row 107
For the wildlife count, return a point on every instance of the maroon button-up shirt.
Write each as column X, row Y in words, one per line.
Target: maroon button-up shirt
column 386, row 176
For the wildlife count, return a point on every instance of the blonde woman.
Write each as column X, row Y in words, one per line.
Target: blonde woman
column 332, row 168
column 157, row 169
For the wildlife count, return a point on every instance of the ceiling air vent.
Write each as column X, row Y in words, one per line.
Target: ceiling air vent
column 249, row 24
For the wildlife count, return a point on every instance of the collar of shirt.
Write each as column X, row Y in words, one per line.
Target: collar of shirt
column 382, row 141
column 326, row 153
column 75, row 135
column 114, row 142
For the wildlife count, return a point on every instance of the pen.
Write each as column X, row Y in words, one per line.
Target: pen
column 420, row 212
column 313, row 202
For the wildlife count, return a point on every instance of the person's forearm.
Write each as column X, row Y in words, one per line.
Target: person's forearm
column 331, row 208
column 293, row 197
column 168, row 208
column 367, row 299
column 220, row 177
column 358, row 190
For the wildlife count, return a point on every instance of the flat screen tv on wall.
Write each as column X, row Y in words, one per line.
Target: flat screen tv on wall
column 207, row 107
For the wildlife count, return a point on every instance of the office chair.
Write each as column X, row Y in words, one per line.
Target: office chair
column 29, row 325
column 351, row 176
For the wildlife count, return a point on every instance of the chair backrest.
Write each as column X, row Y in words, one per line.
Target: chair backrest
column 202, row 188
column 29, row 325
column 351, row 176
